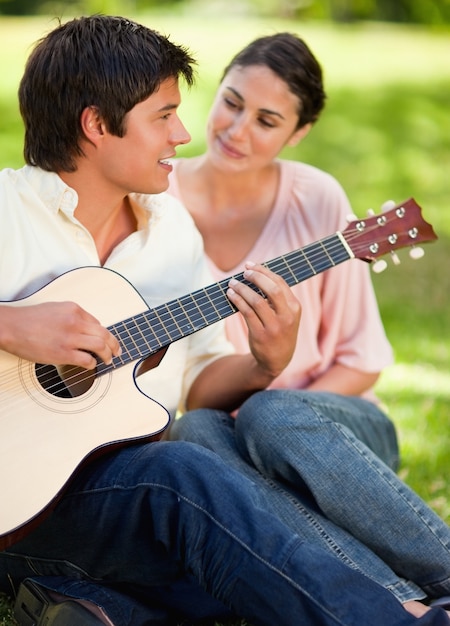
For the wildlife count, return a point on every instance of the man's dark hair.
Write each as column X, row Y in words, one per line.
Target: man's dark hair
column 110, row 63
column 288, row 57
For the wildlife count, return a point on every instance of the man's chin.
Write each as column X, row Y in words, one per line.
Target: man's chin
column 154, row 189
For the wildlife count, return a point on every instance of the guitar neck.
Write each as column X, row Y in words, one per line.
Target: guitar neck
column 152, row 330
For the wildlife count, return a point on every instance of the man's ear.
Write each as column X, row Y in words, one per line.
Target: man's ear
column 92, row 124
column 299, row 135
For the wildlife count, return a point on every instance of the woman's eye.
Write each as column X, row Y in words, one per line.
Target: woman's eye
column 267, row 123
column 231, row 104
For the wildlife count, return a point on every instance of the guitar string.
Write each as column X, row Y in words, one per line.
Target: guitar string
column 224, row 310
column 219, row 301
column 304, row 260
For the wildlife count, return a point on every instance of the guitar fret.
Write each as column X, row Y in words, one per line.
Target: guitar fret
column 129, row 352
column 214, row 302
column 158, row 327
column 134, row 348
column 147, row 331
column 324, row 248
column 190, row 318
column 311, row 260
column 143, row 342
column 337, row 254
column 324, row 261
column 169, row 320
column 288, row 273
column 198, row 311
column 307, row 267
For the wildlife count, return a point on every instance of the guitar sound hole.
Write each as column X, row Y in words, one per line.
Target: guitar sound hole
column 64, row 381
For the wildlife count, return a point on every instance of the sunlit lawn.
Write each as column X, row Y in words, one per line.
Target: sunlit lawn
column 385, row 133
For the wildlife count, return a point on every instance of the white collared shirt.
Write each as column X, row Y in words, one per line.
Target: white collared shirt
column 41, row 239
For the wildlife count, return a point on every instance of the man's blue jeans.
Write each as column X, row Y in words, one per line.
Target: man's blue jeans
column 316, row 457
column 146, row 516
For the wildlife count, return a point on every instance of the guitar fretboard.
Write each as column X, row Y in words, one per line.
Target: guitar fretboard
column 152, row 330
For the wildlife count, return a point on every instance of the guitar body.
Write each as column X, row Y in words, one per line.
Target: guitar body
column 45, row 438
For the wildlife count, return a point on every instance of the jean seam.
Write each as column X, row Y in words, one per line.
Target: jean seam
column 384, row 477
column 335, row 548
column 298, row 541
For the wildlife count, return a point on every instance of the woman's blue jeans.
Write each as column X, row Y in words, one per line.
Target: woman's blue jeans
column 141, row 519
column 316, row 457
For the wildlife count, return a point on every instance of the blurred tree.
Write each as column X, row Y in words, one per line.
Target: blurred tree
column 65, row 7
column 407, row 11
column 19, row 7
column 428, row 11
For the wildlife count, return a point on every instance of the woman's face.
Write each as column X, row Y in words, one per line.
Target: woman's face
column 253, row 116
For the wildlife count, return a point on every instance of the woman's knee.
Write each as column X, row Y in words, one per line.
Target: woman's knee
column 262, row 416
column 267, row 411
column 190, row 425
column 200, row 426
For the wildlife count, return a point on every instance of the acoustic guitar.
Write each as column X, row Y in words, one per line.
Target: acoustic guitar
column 55, row 420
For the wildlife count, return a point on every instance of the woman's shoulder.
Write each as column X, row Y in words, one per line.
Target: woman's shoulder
column 300, row 173
column 312, row 190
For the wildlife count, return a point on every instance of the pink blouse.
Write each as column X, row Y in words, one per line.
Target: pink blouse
column 340, row 317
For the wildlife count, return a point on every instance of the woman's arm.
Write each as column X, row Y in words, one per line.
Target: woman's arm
column 344, row 380
column 272, row 322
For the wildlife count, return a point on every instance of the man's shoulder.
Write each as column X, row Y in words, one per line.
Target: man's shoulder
column 35, row 176
column 8, row 173
column 10, row 181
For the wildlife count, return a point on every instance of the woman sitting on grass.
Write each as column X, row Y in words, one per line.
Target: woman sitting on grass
column 317, row 442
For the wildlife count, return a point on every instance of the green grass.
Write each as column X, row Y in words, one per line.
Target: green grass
column 6, row 616
column 385, row 133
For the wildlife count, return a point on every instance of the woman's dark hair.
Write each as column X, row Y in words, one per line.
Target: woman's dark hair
column 289, row 58
column 110, row 63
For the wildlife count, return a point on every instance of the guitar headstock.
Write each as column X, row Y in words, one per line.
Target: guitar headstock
column 399, row 227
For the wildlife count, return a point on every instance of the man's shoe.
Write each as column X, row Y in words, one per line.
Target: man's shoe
column 35, row 607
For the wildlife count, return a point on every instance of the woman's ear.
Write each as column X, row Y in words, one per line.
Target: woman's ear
column 299, row 135
column 92, row 124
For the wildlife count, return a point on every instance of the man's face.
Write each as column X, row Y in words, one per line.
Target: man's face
column 136, row 162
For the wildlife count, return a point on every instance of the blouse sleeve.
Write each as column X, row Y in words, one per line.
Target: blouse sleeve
column 351, row 325
column 351, row 331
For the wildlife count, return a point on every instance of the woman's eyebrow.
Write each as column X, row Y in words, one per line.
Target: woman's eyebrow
column 265, row 111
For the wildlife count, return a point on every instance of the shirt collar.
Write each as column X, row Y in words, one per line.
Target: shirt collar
column 58, row 196
column 52, row 190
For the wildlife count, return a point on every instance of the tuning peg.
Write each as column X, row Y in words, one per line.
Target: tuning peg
column 379, row 266
column 370, row 212
column 351, row 217
column 395, row 258
column 388, row 205
column 416, row 252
